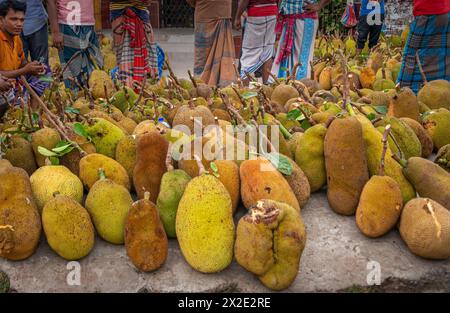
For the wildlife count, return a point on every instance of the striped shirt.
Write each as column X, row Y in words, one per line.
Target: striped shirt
column 119, row 4
column 294, row 6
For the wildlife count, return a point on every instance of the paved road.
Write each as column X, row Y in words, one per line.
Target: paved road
column 336, row 257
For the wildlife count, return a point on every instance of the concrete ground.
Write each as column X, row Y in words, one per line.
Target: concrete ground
column 337, row 257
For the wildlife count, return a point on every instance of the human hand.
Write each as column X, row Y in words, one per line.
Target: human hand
column 34, row 68
column 312, row 8
column 237, row 23
column 5, row 84
column 58, row 40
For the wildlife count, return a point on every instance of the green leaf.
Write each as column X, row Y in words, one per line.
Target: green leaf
column 381, row 109
column 294, row 114
column 215, row 169
column 306, row 124
column 62, row 148
column 35, row 118
column 284, row 69
column 371, row 116
column 79, row 129
column 72, row 110
column 249, row 94
column 46, row 152
column 280, row 162
column 54, row 160
column 46, row 79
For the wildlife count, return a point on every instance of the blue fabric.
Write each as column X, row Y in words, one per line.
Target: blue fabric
column 367, row 7
column 35, row 45
column 294, row 6
column 429, row 37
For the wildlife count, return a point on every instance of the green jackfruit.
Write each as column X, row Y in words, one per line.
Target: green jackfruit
column 47, row 138
column 108, row 204
column 105, row 136
column 436, row 94
column 425, row 140
column 68, row 228
column 437, row 124
column 126, row 154
column 310, row 156
column 443, row 158
column 20, row 154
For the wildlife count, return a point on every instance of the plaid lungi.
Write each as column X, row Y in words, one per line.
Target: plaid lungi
column 258, row 43
column 302, row 49
column 430, row 36
column 214, row 52
column 135, row 47
column 81, row 48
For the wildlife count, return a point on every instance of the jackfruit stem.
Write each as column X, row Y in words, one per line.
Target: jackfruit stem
column 277, row 81
column 301, row 90
column 400, row 161
column 141, row 94
column 350, row 110
column 383, row 153
column 201, row 168
column 171, row 73
column 238, row 76
column 101, row 173
column 194, row 82
column 306, row 115
column 241, row 99
column 329, row 121
column 346, row 91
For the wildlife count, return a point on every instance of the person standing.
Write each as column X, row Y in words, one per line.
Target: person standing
column 259, row 36
column 214, row 45
column 370, row 23
column 73, row 29
column 297, row 25
column 35, row 32
column 428, row 37
column 133, row 40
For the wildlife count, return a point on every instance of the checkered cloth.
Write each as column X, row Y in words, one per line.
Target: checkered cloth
column 135, row 48
column 430, row 36
column 294, row 6
column 81, row 50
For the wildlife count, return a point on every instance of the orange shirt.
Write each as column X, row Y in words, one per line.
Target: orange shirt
column 11, row 56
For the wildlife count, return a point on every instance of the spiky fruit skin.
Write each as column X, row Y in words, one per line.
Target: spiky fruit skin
column 21, row 154
column 374, row 148
column 404, row 104
column 72, row 159
column 204, row 225
column 436, row 94
column 426, row 235
column 299, row 184
column 173, row 184
column 145, row 240
column 429, row 179
column 50, row 179
column 105, row 136
column 270, row 240
column 310, row 156
column 185, row 116
column 90, row 165
column 346, row 164
column 126, row 154
column 19, row 210
column 121, row 101
column 437, row 124
column 443, row 158
column 367, row 77
column 261, row 180
column 406, row 138
column 282, row 93
column 383, row 84
column 228, row 174
column 376, row 215
column 108, row 204
column 68, row 228
column 294, row 141
column 47, row 138
column 97, row 81
column 150, row 164
column 422, row 135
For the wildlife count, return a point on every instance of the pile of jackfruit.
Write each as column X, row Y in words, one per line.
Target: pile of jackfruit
column 119, row 164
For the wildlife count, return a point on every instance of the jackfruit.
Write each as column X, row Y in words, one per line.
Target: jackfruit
column 269, row 243
column 68, row 228
column 55, row 178
column 20, row 154
column 108, row 204
column 47, row 138
column 436, row 94
column 91, row 163
column 228, row 173
column 346, row 164
column 20, row 222
column 105, row 136
column 425, row 228
column 437, row 124
column 404, row 104
column 204, row 224
column 145, row 240
column 422, row 135
column 443, row 158
column 126, row 154
column 261, row 180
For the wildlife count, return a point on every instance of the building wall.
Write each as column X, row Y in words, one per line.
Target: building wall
column 398, row 15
